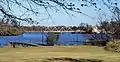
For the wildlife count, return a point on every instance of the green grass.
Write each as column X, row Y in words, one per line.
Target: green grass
column 58, row 54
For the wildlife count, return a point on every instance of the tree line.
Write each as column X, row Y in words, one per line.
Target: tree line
column 9, row 29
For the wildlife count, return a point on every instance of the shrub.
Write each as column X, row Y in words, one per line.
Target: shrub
column 51, row 38
column 96, row 42
column 113, row 46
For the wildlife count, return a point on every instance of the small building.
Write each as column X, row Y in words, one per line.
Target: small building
column 96, row 30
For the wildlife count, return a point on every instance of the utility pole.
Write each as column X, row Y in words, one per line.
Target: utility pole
column 42, row 36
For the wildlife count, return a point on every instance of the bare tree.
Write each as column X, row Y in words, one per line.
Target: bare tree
column 8, row 8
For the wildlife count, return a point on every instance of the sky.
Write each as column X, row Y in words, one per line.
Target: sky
column 61, row 18
column 64, row 19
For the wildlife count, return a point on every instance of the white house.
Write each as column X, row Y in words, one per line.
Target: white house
column 96, row 30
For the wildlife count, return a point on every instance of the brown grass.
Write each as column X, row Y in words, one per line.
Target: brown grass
column 46, row 54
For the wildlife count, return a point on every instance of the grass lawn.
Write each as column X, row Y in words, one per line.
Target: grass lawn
column 58, row 54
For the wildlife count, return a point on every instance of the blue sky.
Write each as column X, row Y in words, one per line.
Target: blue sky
column 65, row 19
column 61, row 17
